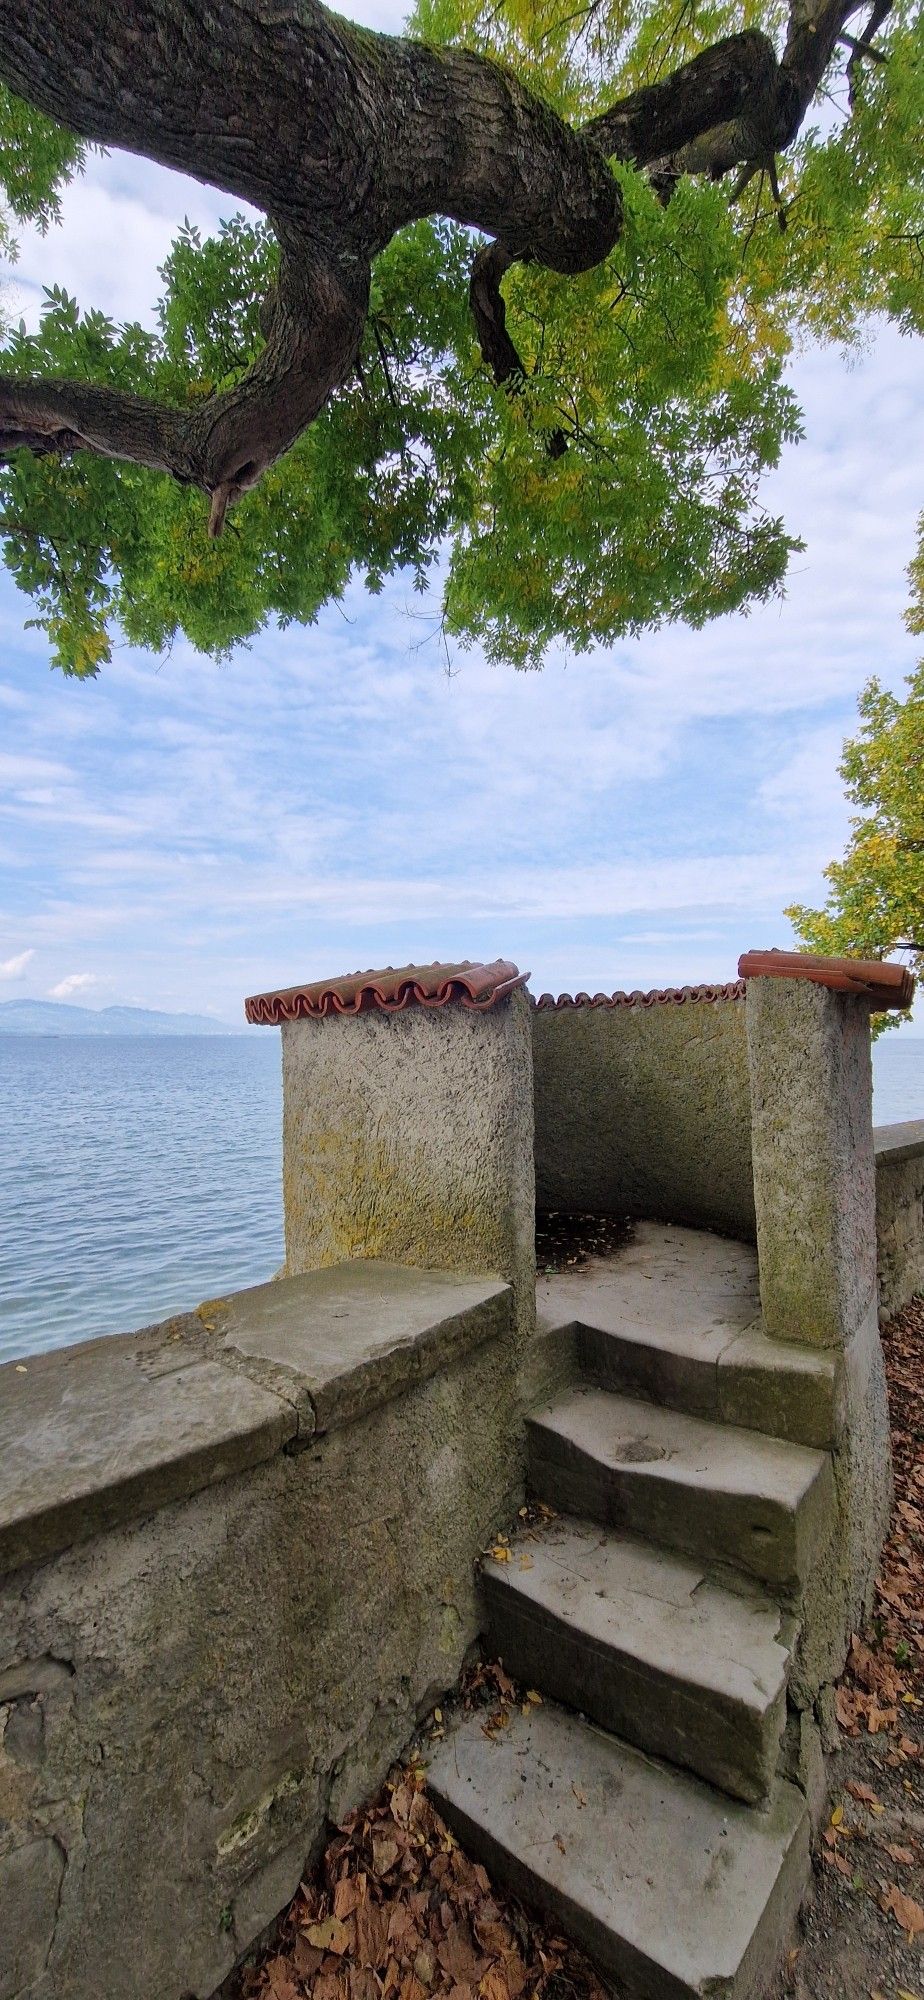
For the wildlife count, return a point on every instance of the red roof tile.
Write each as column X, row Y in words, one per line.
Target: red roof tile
column 467, row 984
column 672, row 996
column 882, row 984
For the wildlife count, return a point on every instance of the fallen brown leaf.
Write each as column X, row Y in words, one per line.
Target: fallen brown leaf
column 864, row 1793
column 907, row 1913
column 385, row 1852
column 346, row 1896
column 903, row 1855
column 331, row 1935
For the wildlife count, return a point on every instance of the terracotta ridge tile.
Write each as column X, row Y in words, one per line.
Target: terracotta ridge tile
column 466, row 984
column 882, row 982
column 670, row 996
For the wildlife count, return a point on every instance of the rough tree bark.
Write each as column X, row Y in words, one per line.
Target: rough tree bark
column 341, row 136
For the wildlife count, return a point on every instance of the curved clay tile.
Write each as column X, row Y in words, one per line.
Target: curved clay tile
column 883, row 984
column 671, row 996
column 465, row 984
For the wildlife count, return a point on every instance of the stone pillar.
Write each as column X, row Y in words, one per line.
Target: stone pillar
column 815, row 1201
column 408, row 1122
column 813, row 1159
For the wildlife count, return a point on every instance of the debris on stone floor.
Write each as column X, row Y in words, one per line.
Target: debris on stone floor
column 531, row 1520
column 862, row 1936
column 565, row 1241
column 397, row 1911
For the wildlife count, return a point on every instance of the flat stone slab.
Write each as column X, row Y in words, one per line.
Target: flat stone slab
column 354, row 1335
column 722, row 1494
column 647, row 1644
column 93, row 1435
column 894, row 1143
column 677, row 1891
column 98, row 1434
column 676, row 1317
column 686, row 1281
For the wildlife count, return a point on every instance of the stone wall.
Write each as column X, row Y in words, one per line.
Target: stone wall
column 899, row 1213
column 644, row 1109
column 235, row 1565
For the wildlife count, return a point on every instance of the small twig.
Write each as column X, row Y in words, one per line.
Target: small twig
column 383, row 357
column 778, row 199
column 881, row 11
column 862, row 48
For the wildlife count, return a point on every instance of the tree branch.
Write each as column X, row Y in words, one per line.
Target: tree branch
column 725, row 82
column 369, row 132
column 226, row 443
column 490, row 313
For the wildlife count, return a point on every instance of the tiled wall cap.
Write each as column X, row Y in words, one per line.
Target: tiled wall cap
column 465, row 984
column 671, row 996
column 883, row 985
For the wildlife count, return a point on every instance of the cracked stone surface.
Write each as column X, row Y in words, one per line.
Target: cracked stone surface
column 98, row 1434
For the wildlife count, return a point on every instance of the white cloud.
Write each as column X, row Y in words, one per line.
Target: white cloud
column 14, row 968
column 76, row 982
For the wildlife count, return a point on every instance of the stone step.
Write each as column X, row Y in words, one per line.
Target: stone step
column 675, row 1890
column 676, row 1318
column 722, row 1494
column 642, row 1641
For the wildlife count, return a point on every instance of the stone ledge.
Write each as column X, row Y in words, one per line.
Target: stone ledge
column 895, row 1143
column 358, row 1334
column 103, row 1433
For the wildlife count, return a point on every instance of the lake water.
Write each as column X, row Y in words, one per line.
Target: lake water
column 139, row 1176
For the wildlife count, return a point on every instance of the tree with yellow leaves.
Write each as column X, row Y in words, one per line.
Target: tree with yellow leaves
column 875, row 903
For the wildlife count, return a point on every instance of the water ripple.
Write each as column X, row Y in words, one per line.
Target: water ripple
column 138, row 1175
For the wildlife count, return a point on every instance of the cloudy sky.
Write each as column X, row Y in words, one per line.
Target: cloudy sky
column 178, row 834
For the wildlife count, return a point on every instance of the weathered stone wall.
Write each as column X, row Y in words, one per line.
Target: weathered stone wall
column 899, row 1213
column 815, row 1197
column 408, row 1136
column 645, row 1110
column 232, row 1653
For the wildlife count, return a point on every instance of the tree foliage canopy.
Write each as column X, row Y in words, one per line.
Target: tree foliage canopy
column 875, row 903
column 670, row 192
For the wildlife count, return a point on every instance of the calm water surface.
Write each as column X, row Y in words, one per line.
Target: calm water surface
column 139, row 1176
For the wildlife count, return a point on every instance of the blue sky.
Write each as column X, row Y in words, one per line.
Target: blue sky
column 179, row 834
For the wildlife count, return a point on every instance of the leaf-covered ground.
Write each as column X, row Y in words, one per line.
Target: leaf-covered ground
column 397, row 1911
column 862, row 1936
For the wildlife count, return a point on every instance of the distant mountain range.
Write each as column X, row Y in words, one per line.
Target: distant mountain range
column 57, row 1017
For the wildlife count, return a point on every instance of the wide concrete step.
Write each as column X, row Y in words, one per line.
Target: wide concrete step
column 677, row 1891
column 722, row 1494
column 675, row 1317
column 642, row 1640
